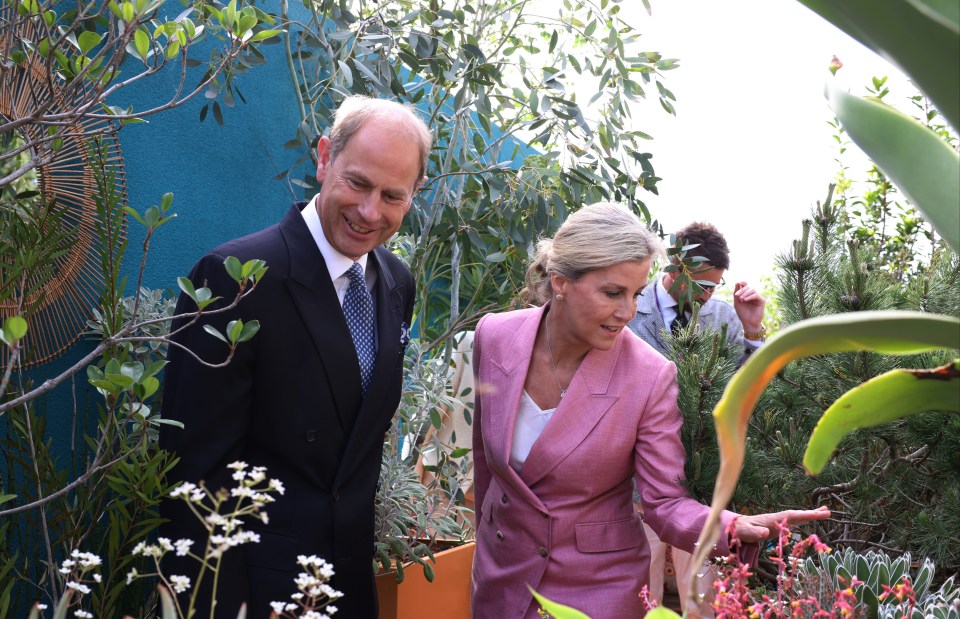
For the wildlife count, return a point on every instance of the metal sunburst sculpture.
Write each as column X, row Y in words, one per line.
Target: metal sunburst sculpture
column 57, row 299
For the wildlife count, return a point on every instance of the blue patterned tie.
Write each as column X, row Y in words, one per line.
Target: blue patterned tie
column 361, row 319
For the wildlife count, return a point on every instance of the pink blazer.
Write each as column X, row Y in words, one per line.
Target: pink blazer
column 566, row 524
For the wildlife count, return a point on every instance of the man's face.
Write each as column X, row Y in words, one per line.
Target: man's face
column 368, row 188
column 706, row 273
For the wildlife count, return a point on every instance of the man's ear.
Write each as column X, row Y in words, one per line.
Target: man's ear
column 323, row 158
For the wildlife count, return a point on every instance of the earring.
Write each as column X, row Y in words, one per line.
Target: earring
column 559, row 297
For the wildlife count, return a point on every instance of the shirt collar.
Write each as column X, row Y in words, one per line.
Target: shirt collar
column 337, row 263
column 663, row 297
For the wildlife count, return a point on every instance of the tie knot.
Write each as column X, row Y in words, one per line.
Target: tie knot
column 355, row 273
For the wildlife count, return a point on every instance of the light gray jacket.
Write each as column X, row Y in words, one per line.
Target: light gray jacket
column 649, row 325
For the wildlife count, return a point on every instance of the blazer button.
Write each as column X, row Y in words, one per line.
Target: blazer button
column 542, row 551
column 500, row 535
column 336, row 497
column 310, row 435
column 503, row 499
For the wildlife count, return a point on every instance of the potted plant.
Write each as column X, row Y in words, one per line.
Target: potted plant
column 421, row 524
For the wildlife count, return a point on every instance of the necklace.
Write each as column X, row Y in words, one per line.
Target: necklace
column 553, row 365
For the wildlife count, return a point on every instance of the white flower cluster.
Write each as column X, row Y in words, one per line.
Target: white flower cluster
column 313, row 599
column 189, row 492
column 78, row 570
column 180, row 583
column 162, row 547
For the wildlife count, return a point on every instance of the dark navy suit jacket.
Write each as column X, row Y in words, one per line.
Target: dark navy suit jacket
column 291, row 401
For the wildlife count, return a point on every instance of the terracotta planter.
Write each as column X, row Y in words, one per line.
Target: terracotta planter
column 416, row 598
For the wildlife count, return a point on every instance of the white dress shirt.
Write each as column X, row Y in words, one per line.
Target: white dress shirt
column 531, row 421
column 337, row 263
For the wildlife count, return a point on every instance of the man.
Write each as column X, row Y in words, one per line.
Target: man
column 658, row 318
column 657, row 307
column 311, row 396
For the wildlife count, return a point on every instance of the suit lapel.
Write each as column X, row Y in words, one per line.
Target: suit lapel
column 316, row 300
column 649, row 320
column 372, row 417
column 587, row 400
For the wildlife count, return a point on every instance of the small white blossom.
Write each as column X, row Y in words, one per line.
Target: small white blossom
column 280, row 607
column 277, row 485
column 97, row 577
column 183, row 490
column 86, row 559
column 180, row 583
column 148, row 550
column 40, row 606
column 330, row 609
column 132, row 575
column 183, row 546
column 241, row 491
column 239, row 465
column 77, row 586
column 83, row 613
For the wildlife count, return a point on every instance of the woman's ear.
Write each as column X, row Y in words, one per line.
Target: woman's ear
column 558, row 283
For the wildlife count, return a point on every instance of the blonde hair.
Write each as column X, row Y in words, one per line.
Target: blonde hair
column 595, row 237
column 354, row 111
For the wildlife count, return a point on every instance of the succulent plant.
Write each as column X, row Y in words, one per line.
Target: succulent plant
column 878, row 571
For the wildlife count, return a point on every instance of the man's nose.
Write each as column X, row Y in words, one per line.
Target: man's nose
column 369, row 206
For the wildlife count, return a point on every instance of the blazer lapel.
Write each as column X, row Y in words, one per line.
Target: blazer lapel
column 508, row 370
column 586, row 402
column 316, row 300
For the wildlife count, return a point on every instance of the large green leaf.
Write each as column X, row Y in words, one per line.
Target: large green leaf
column 557, row 611
column 662, row 613
column 921, row 37
column 922, row 165
column 883, row 332
column 881, row 400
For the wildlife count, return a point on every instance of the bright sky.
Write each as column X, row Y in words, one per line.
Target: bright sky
column 750, row 149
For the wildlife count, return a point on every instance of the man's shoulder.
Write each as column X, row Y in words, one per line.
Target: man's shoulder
column 269, row 244
column 720, row 308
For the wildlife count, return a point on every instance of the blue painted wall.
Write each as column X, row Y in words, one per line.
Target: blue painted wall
column 221, row 176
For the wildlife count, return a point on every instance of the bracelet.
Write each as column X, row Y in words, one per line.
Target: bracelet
column 756, row 336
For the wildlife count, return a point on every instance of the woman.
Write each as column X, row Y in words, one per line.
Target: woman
column 570, row 406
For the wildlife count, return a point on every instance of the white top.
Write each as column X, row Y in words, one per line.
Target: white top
column 337, row 263
column 530, row 424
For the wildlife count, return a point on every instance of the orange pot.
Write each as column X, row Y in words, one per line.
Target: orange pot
column 447, row 597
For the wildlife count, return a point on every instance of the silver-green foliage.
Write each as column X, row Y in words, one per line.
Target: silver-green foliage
column 877, row 572
column 516, row 144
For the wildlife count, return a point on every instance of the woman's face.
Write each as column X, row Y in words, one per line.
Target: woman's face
column 598, row 306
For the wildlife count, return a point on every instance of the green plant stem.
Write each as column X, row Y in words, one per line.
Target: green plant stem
column 51, row 565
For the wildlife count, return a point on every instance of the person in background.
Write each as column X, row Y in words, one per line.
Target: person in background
column 658, row 315
column 311, row 396
column 570, row 407
column 658, row 318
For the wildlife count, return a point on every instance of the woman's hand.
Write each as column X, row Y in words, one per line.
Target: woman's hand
column 751, row 529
